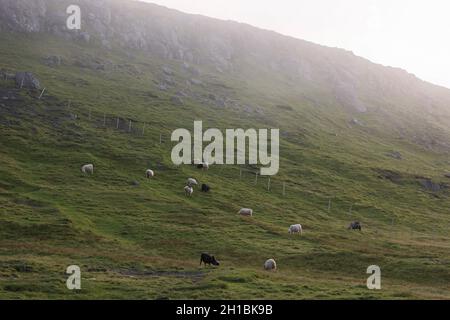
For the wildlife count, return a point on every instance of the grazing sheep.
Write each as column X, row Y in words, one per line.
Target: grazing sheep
column 205, row 188
column 296, row 228
column 207, row 259
column 149, row 173
column 270, row 265
column 192, row 182
column 246, row 212
column 88, row 168
column 355, row 225
column 204, row 165
column 188, row 191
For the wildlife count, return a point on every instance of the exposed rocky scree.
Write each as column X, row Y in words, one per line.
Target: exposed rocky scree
column 197, row 40
column 233, row 49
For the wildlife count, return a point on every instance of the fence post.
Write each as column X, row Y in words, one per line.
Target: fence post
column 129, row 127
column 256, row 178
column 240, row 173
column 117, row 123
column 40, row 96
column 268, row 184
column 104, row 119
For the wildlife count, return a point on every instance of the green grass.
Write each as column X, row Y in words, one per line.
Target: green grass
column 144, row 241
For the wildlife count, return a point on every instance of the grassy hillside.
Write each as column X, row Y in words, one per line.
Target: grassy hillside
column 139, row 238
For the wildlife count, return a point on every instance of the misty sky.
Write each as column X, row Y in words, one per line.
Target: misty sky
column 410, row 34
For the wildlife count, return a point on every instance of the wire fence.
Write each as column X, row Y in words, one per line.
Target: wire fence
column 276, row 186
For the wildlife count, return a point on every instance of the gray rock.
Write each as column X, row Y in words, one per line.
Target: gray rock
column 53, row 61
column 356, row 122
column 221, row 103
column 177, row 101
column 84, row 36
column 27, row 80
column 429, row 185
column 167, row 71
column 394, row 154
column 168, row 81
column 195, row 81
column 22, row 15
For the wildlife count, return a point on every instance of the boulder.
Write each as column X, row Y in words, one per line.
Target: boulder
column 167, row 71
column 430, row 185
column 53, row 61
column 84, row 36
column 356, row 122
column 27, row 80
column 394, row 154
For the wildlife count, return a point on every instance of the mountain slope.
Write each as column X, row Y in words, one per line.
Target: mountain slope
column 372, row 139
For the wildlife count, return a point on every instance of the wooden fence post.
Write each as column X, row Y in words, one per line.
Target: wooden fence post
column 256, row 178
column 117, row 123
column 129, row 127
column 40, row 96
column 268, row 184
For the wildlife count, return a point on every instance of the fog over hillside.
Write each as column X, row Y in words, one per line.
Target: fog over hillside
column 87, row 176
column 247, row 53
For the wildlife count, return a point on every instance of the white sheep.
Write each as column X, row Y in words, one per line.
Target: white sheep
column 188, row 191
column 270, row 264
column 88, row 168
column 246, row 212
column 296, row 228
column 149, row 173
column 191, row 182
column 204, row 165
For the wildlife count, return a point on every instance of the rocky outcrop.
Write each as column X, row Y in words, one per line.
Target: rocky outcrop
column 23, row 15
column 432, row 186
column 196, row 47
column 53, row 60
column 394, row 154
column 27, row 80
